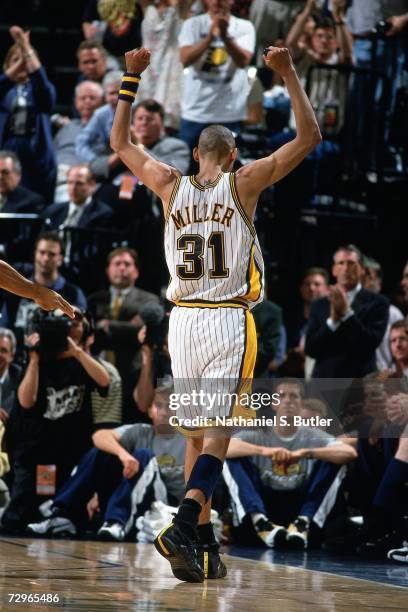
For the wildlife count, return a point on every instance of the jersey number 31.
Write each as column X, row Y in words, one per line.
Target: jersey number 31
column 193, row 246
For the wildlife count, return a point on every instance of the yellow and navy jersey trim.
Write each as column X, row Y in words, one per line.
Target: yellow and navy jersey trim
column 196, row 183
column 239, row 206
column 173, row 197
column 233, row 303
column 254, row 278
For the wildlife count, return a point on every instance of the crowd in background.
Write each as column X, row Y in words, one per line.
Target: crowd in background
column 95, row 393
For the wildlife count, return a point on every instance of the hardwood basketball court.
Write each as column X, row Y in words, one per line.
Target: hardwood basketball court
column 90, row 575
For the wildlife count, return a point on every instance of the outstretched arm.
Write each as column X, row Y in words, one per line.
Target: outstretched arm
column 253, row 178
column 157, row 176
column 12, row 281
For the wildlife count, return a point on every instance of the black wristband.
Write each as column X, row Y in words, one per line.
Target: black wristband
column 129, row 86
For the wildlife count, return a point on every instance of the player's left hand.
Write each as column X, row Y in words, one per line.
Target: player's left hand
column 279, row 60
column 48, row 299
column 137, row 60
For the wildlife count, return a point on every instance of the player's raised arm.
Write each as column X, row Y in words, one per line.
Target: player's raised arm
column 253, row 178
column 11, row 280
column 159, row 177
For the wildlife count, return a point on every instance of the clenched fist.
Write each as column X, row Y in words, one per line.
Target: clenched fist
column 137, row 60
column 279, row 59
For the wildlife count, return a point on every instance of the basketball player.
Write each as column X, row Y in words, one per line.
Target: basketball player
column 12, row 281
column 216, row 270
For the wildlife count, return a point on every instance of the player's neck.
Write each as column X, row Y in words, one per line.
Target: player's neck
column 208, row 172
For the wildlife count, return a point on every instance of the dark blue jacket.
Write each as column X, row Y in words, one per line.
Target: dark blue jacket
column 349, row 352
column 41, row 98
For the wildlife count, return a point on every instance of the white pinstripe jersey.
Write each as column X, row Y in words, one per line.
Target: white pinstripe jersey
column 212, row 250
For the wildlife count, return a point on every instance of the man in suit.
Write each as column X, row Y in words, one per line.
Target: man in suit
column 14, row 198
column 345, row 328
column 116, row 313
column 82, row 210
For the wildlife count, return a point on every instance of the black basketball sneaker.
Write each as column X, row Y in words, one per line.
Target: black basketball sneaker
column 180, row 552
column 209, row 558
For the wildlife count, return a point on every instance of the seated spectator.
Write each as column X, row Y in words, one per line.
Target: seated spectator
column 118, row 23
column 27, row 99
column 404, row 286
column 284, row 477
column 14, row 198
column 134, row 466
column 314, row 285
column 115, row 312
column 148, row 131
column 107, row 411
column 398, row 339
column 314, row 407
column 82, row 209
column 215, row 48
column 55, row 418
column 377, row 486
column 92, row 144
column 4, row 469
column 162, row 80
column 331, row 43
column 93, row 62
column 345, row 328
column 10, row 373
column 268, row 323
column 372, row 281
column 48, row 258
column 88, row 97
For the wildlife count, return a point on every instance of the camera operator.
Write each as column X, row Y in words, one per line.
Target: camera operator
column 53, row 426
column 155, row 357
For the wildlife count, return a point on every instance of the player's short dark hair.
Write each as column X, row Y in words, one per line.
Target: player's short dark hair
column 216, row 139
column 91, row 43
column 51, row 237
column 152, row 106
column 350, row 248
column 121, row 250
column 315, row 270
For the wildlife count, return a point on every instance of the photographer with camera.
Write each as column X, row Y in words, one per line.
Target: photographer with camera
column 39, row 291
column 53, row 423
